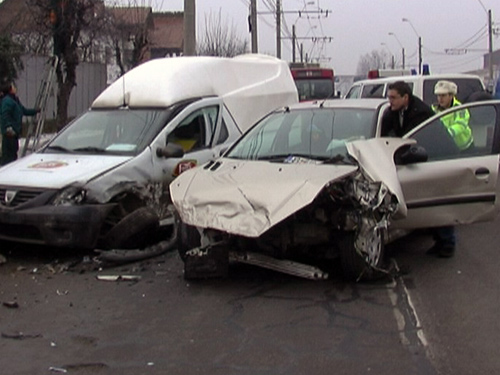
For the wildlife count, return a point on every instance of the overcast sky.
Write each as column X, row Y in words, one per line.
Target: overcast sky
column 359, row 26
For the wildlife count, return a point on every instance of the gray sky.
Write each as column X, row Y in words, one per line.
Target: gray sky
column 360, row 26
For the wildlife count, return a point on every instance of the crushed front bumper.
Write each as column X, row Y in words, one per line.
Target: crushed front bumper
column 60, row 226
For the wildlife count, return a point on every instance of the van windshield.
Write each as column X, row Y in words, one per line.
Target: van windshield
column 113, row 131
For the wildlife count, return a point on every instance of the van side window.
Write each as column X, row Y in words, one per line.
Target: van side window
column 194, row 132
column 354, row 92
column 223, row 134
column 373, row 90
column 466, row 86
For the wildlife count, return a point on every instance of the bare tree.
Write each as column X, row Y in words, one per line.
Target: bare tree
column 73, row 26
column 220, row 39
column 376, row 59
column 10, row 59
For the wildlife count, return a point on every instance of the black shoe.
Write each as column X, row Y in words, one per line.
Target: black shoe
column 447, row 251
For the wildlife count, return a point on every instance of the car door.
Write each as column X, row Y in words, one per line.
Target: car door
column 452, row 186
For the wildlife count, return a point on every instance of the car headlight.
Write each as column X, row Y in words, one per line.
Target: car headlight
column 70, row 196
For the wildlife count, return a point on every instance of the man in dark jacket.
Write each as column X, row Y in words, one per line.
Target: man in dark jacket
column 11, row 117
column 406, row 111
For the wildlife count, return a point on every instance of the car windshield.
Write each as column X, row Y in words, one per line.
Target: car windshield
column 114, row 131
column 315, row 134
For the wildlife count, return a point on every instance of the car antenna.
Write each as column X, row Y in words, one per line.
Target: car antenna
column 325, row 99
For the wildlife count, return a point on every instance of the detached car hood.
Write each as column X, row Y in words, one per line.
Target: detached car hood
column 249, row 197
column 55, row 171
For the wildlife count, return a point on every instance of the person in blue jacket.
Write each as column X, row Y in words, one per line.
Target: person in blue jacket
column 11, row 117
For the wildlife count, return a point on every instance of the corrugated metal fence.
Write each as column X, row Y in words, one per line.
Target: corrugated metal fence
column 90, row 78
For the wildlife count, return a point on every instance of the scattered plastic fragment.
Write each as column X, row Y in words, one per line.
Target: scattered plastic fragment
column 118, row 277
column 11, row 304
column 58, row 369
column 19, row 335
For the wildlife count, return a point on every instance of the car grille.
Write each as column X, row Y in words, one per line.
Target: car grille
column 21, row 196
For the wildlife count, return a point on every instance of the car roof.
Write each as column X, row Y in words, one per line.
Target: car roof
column 370, row 103
column 251, row 85
column 413, row 78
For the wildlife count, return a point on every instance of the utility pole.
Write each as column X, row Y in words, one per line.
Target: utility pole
column 419, row 55
column 278, row 29
column 189, row 28
column 490, row 46
column 294, row 41
column 253, row 25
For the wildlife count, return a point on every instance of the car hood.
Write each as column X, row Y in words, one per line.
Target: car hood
column 55, row 171
column 249, row 197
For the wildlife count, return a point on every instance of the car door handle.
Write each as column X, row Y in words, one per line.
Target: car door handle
column 481, row 172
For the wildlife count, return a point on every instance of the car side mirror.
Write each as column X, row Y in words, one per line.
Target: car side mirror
column 410, row 154
column 170, row 150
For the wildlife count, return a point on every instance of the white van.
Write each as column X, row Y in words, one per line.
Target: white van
column 422, row 85
column 103, row 181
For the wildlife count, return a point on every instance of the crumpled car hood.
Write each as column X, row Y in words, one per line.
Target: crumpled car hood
column 55, row 171
column 248, row 197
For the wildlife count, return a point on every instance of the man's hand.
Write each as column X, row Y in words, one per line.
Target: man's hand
column 9, row 132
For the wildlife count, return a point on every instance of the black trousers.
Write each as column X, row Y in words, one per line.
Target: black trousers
column 10, row 147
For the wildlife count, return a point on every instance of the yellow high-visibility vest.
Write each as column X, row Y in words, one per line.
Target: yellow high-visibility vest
column 457, row 124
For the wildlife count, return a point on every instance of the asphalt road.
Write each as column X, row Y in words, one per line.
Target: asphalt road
column 438, row 318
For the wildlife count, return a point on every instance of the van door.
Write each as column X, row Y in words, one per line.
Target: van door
column 200, row 129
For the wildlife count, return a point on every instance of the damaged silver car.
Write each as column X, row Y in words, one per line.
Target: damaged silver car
column 316, row 181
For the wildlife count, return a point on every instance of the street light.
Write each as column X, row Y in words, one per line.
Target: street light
column 419, row 45
column 402, row 49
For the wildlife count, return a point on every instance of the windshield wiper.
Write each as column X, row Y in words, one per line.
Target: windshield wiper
column 90, row 149
column 58, row 148
column 280, row 157
column 338, row 159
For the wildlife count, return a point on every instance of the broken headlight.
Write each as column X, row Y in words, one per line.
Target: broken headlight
column 70, row 196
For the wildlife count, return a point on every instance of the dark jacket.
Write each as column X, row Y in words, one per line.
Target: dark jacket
column 415, row 114
column 11, row 114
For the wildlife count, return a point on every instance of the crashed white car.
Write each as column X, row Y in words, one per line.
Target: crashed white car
column 103, row 180
column 316, row 181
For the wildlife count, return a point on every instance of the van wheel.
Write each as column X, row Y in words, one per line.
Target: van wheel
column 133, row 230
column 356, row 267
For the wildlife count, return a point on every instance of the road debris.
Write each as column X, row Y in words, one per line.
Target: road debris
column 129, row 256
column 11, row 304
column 2, row 259
column 20, row 335
column 58, row 369
column 118, row 277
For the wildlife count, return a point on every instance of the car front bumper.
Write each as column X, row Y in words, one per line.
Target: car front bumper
column 60, row 226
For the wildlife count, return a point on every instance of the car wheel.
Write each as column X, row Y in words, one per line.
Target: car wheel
column 188, row 238
column 133, row 230
column 364, row 267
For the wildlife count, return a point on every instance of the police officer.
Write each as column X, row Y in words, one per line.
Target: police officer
column 457, row 123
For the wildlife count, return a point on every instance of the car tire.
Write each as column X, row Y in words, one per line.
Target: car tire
column 133, row 230
column 354, row 267
column 188, row 238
